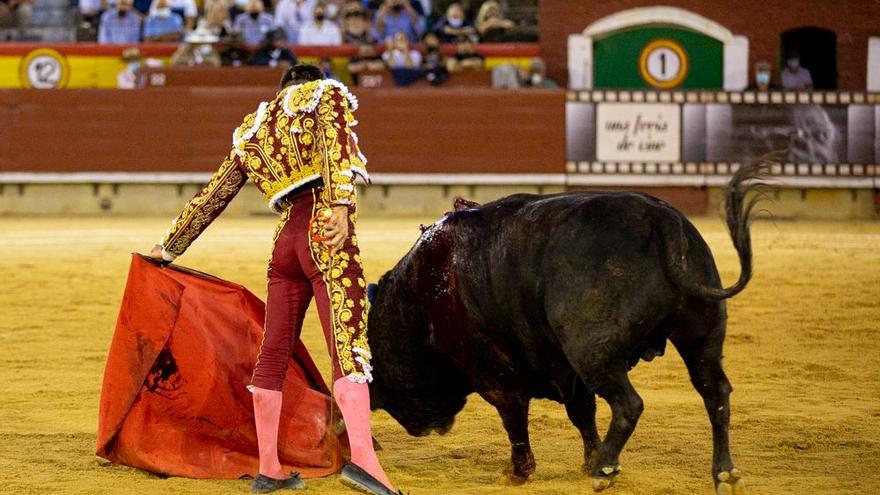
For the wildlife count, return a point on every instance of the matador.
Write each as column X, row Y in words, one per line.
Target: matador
column 300, row 151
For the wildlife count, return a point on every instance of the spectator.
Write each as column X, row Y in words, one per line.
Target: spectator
column 320, row 31
column 234, row 53
column 333, row 9
column 536, row 76
column 253, row 23
column 465, row 58
column 163, row 25
column 454, row 25
column 491, row 24
column 434, row 63
column 404, row 63
column 366, row 60
column 762, row 76
column 186, row 9
column 216, row 19
column 197, row 50
column 89, row 10
column 399, row 55
column 397, row 16
column 292, row 15
column 422, row 7
column 356, row 27
column 15, row 13
column 128, row 77
column 120, row 25
column 273, row 52
column 793, row 75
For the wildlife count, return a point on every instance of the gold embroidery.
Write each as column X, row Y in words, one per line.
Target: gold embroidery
column 348, row 318
column 205, row 207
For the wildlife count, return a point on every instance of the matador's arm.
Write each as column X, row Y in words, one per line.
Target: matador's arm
column 342, row 157
column 204, row 207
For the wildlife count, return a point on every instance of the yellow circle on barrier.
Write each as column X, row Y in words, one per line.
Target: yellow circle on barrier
column 663, row 64
column 44, row 68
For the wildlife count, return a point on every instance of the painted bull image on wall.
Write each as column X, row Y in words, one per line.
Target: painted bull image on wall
column 558, row 297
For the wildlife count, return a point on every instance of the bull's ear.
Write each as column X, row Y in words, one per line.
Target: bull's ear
column 371, row 292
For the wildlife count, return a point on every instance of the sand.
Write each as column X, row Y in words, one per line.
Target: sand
column 802, row 354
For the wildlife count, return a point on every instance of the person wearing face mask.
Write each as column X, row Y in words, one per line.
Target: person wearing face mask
column 434, row 63
column 454, row 25
column 253, row 23
column 762, row 76
column 273, row 52
column 320, row 31
column 794, row 76
column 120, row 25
column 536, row 77
column 129, row 77
column 162, row 24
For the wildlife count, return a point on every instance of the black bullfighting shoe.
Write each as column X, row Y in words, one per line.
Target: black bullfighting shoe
column 265, row 484
column 356, row 478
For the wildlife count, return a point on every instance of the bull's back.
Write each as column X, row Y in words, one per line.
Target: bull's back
column 533, row 266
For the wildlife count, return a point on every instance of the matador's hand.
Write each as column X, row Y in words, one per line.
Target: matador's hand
column 156, row 252
column 336, row 229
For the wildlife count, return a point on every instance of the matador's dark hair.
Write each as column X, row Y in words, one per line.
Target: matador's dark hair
column 300, row 73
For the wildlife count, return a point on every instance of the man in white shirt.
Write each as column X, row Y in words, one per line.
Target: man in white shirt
column 292, row 15
column 320, row 31
column 794, row 75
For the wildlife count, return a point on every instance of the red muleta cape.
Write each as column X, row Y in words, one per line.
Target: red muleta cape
column 174, row 399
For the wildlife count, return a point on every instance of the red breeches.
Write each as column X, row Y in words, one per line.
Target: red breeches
column 301, row 269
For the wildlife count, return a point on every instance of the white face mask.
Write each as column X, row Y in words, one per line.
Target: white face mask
column 241, row 4
column 163, row 12
column 456, row 23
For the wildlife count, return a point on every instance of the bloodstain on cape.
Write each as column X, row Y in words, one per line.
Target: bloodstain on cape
column 174, row 399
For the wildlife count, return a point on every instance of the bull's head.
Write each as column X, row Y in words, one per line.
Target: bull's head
column 412, row 380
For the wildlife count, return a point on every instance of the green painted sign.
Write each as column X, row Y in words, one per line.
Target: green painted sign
column 654, row 57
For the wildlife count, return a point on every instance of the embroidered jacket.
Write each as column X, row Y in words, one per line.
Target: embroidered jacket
column 302, row 136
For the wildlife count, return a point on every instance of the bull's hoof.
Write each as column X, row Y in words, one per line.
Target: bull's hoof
column 510, row 479
column 730, row 483
column 605, row 478
column 517, row 476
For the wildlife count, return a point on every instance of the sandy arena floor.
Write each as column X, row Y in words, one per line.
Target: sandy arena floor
column 803, row 353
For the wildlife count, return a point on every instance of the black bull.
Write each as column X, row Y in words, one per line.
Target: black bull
column 557, row 297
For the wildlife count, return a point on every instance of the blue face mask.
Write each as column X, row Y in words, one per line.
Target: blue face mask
column 133, row 66
column 762, row 78
column 793, row 63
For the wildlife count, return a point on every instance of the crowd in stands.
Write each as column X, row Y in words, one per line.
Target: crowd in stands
column 302, row 22
column 402, row 36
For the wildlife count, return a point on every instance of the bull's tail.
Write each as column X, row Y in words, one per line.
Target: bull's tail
column 738, row 214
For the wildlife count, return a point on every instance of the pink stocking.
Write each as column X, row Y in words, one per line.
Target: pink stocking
column 354, row 402
column 267, row 414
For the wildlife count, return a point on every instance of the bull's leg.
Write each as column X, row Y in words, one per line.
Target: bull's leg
column 626, row 407
column 514, row 411
column 581, row 409
column 707, row 376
